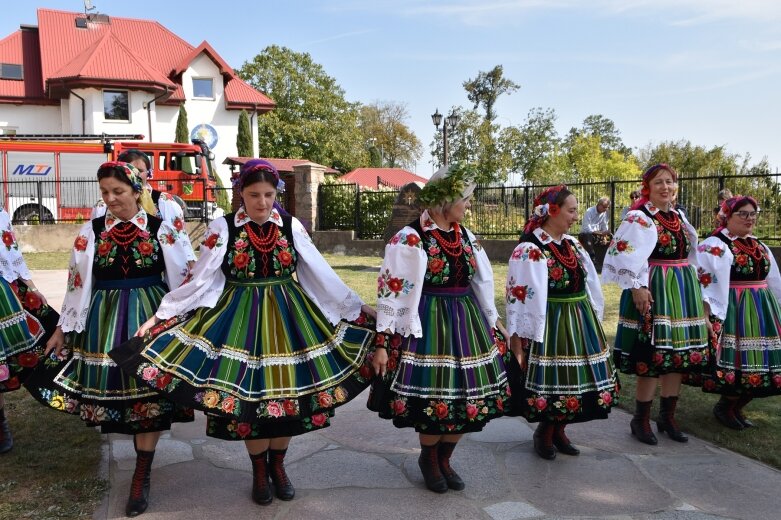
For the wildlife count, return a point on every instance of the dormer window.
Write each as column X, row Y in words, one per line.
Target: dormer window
column 11, row 71
column 203, row 88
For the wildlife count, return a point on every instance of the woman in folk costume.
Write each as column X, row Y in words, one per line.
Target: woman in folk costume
column 121, row 266
column 662, row 330
column 165, row 206
column 22, row 310
column 741, row 287
column 436, row 346
column 265, row 356
column 554, row 309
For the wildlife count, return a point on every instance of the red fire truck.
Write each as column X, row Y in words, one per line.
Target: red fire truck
column 51, row 177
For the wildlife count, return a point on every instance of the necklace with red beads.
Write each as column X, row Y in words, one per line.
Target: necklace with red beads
column 124, row 233
column 568, row 259
column 671, row 223
column 453, row 248
column 754, row 250
column 265, row 242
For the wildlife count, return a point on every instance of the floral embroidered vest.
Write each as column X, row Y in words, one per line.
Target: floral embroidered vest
column 566, row 274
column 671, row 240
column 127, row 252
column 751, row 261
column 276, row 256
column 444, row 269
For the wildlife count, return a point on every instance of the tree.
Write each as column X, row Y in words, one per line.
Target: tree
column 313, row 120
column 532, row 144
column 182, row 129
column 384, row 125
column 486, row 88
column 605, row 129
column 244, row 136
column 588, row 162
column 691, row 160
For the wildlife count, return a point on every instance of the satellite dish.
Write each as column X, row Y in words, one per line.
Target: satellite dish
column 88, row 5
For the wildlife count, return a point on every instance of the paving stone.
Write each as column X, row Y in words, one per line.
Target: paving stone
column 512, row 511
column 343, row 468
column 227, row 455
column 168, row 452
column 362, row 430
column 597, row 483
column 504, row 430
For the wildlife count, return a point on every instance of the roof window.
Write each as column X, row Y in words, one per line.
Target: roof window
column 11, row 71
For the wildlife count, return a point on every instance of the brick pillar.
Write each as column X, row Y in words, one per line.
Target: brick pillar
column 308, row 177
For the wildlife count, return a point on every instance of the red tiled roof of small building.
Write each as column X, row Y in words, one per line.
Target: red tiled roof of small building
column 374, row 177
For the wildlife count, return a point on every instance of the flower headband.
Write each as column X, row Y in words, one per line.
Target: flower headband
column 253, row 166
column 728, row 207
column 128, row 169
column 544, row 207
column 448, row 184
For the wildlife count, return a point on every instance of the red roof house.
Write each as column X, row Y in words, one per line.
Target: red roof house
column 378, row 177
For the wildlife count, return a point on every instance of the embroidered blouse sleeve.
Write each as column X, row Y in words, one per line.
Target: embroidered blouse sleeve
column 320, row 281
column 175, row 254
column 773, row 277
column 78, row 293
column 593, row 287
column 626, row 260
column 98, row 210
column 204, row 285
column 483, row 280
column 714, row 259
column 691, row 234
column 526, row 292
column 171, row 212
column 400, row 284
column 12, row 262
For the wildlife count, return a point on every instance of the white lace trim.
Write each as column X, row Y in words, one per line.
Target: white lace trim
column 525, row 325
column 625, row 278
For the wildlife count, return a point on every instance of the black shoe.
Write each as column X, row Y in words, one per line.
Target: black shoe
column 261, row 489
column 6, row 439
column 641, row 423
column 562, row 442
column 743, row 401
column 429, row 466
column 666, row 421
column 724, row 411
column 452, row 478
column 283, row 488
column 140, row 483
column 543, row 441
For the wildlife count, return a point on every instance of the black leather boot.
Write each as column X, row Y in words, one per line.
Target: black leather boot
column 725, row 410
column 641, row 423
column 743, row 401
column 666, row 421
column 6, row 439
column 282, row 486
column 451, row 477
column 261, row 489
column 562, row 442
column 139, row 485
column 429, row 466
column 543, row 441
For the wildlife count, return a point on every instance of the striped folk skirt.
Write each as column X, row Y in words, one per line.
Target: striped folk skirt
column 570, row 376
column 676, row 340
column 90, row 384
column 20, row 333
column 453, row 378
column 747, row 358
column 264, row 362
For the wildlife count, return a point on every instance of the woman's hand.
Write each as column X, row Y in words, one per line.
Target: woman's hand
column 55, row 343
column 501, row 328
column 380, row 361
column 642, row 300
column 369, row 311
column 519, row 346
column 148, row 324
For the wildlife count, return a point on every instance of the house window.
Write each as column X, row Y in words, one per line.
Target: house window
column 203, row 88
column 115, row 105
column 10, row 71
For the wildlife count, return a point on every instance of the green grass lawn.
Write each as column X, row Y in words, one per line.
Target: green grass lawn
column 51, row 473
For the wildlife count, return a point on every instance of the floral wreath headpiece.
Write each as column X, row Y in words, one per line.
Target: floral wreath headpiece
column 128, row 169
column 454, row 183
column 544, row 207
column 729, row 205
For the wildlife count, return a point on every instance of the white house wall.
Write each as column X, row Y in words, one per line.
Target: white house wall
column 31, row 119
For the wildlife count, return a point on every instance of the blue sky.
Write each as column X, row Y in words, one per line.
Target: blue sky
column 703, row 70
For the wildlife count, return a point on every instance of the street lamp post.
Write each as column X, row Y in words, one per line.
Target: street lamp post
column 449, row 124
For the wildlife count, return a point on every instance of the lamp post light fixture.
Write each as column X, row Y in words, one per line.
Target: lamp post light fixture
column 449, row 124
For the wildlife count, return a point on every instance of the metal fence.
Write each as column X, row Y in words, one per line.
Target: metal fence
column 501, row 211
